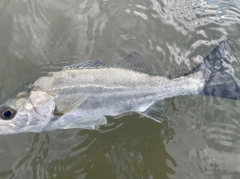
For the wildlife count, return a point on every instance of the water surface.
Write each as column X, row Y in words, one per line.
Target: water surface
column 200, row 137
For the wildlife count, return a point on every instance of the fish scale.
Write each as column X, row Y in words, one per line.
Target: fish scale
column 81, row 95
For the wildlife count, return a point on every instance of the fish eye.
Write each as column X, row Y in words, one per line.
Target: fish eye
column 7, row 112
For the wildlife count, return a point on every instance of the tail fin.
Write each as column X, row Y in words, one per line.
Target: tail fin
column 218, row 82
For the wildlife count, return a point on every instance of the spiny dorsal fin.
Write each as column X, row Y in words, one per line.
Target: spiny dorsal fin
column 86, row 64
column 134, row 61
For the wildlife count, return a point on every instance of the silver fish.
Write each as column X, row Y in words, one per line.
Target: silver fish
column 81, row 95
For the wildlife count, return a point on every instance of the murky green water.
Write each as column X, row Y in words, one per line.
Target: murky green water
column 200, row 139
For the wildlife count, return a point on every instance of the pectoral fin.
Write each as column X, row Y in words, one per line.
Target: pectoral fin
column 66, row 103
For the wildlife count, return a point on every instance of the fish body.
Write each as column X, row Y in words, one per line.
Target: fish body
column 81, row 95
column 112, row 91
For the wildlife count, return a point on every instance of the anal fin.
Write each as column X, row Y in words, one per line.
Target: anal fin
column 156, row 111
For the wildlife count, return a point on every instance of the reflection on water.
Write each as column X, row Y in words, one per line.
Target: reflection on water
column 126, row 152
column 209, row 146
column 199, row 140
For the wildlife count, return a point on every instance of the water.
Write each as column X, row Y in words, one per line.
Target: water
column 200, row 138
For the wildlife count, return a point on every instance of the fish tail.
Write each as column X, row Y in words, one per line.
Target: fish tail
column 218, row 73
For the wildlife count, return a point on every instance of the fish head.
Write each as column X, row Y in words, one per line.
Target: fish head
column 26, row 111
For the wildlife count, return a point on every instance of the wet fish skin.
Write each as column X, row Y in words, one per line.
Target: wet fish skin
column 116, row 91
column 107, row 91
column 81, row 97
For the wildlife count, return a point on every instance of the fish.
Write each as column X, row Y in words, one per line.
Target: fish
column 83, row 95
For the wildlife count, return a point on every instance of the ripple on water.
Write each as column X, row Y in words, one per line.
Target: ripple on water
column 123, row 151
column 173, row 36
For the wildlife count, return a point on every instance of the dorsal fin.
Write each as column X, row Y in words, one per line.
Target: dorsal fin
column 86, row 64
column 134, row 61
